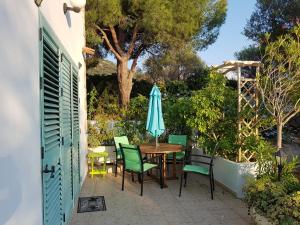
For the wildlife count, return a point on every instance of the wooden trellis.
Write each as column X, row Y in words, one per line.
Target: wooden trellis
column 248, row 103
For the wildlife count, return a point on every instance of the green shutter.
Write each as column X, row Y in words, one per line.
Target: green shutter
column 76, row 134
column 52, row 173
column 66, row 133
column 59, row 128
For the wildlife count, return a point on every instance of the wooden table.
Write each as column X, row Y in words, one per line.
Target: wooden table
column 163, row 149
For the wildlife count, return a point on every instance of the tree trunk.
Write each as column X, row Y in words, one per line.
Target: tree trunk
column 279, row 135
column 124, row 82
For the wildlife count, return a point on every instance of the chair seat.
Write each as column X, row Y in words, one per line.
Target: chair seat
column 179, row 155
column 149, row 166
column 135, row 167
column 196, row 169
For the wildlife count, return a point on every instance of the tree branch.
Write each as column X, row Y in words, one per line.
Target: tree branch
column 134, row 62
column 132, row 43
column 115, row 40
column 111, row 48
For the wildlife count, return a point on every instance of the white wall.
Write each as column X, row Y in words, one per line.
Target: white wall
column 20, row 160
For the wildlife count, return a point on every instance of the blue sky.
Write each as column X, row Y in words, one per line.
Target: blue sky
column 230, row 39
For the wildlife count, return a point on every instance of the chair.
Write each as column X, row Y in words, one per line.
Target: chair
column 179, row 140
column 118, row 140
column 188, row 167
column 133, row 162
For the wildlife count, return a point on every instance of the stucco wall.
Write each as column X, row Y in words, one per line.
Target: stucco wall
column 20, row 159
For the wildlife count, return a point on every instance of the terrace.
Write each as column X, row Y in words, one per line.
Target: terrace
column 160, row 206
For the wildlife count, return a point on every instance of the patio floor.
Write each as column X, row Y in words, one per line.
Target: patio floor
column 160, row 206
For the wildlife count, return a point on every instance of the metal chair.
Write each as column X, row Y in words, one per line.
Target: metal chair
column 207, row 170
column 179, row 140
column 133, row 162
column 118, row 140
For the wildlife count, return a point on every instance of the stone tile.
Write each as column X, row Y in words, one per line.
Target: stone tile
column 160, row 206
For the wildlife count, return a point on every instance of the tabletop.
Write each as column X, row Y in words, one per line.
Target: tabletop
column 162, row 148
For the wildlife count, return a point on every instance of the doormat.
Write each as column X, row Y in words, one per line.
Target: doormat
column 91, row 204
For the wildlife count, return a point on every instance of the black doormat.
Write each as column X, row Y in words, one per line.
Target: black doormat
column 91, row 204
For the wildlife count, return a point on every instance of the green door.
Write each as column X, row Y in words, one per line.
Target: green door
column 59, row 129
column 66, row 134
column 50, row 132
column 76, row 133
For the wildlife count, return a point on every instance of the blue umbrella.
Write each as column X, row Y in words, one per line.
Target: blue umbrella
column 155, row 122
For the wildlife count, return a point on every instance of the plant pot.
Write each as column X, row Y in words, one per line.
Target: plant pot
column 233, row 175
column 259, row 219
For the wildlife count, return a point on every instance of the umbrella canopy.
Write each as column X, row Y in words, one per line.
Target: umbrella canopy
column 155, row 122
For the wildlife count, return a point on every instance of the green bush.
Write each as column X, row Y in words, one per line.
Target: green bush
column 264, row 155
column 213, row 112
column 277, row 200
column 175, row 112
column 133, row 122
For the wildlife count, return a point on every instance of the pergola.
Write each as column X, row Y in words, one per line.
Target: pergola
column 247, row 101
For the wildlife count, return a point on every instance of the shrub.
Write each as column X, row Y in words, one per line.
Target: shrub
column 133, row 122
column 175, row 112
column 213, row 112
column 277, row 200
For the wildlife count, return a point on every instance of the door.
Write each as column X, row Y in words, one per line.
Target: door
column 50, row 132
column 60, row 132
column 66, row 135
column 76, row 135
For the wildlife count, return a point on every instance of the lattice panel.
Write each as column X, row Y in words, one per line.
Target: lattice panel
column 248, row 113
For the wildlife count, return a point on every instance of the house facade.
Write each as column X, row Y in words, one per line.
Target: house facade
column 43, row 129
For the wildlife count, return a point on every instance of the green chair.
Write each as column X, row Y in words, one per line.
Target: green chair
column 133, row 162
column 207, row 170
column 118, row 140
column 179, row 140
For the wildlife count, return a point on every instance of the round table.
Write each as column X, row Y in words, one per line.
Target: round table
column 163, row 149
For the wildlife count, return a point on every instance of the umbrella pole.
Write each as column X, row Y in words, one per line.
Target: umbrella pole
column 156, row 141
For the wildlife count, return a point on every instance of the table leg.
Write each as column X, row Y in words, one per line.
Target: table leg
column 164, row 170
column 174, row 165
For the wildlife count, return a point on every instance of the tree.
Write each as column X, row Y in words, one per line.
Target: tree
column 279, row 82
column 275, row 17
column 174, row 64
column 129, row 29
column 250, row 53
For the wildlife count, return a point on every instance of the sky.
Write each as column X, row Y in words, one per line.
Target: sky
column 230, row 39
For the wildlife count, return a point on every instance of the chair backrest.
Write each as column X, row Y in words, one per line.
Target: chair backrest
column 132, row 157
column 120, row 140
column 177, row 139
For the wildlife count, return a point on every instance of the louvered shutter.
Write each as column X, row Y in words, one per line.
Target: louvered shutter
column 66, row 135
column 52, row 172
column 76, row 133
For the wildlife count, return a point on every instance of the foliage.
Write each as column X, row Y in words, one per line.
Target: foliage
column 128, row 29
column 133, row 123
column 101, row 132
column 213, row 112
column 92, row 103
column 264, row 155
column 175, row 112
column 277, row 200
column 275, row 17
column 279, row 82
column 174, row 64
column 250, row 53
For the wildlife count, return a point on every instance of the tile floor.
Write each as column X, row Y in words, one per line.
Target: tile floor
column 161, row 206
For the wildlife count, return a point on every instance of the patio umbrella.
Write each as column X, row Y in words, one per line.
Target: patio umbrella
column 155, row 122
